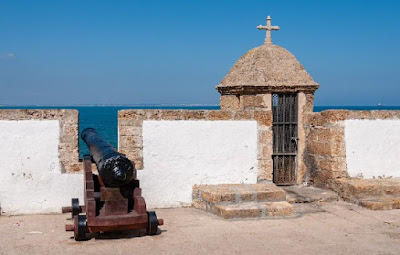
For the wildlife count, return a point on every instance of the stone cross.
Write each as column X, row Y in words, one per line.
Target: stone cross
column 269, row 28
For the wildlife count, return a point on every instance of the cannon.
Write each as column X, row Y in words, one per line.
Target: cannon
column 113, row 198
column 114, row 168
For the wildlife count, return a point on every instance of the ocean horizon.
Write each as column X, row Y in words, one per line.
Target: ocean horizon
column 104, row 118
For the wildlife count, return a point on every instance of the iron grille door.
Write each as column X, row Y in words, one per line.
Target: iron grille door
column 284, row 128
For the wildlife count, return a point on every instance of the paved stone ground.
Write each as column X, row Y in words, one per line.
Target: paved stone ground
column 322, row 228
column 303, row 194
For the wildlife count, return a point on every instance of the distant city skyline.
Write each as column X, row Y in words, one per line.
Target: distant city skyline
column 176, row 52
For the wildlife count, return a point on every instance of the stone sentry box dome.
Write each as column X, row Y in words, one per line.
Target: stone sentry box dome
column 264, row 70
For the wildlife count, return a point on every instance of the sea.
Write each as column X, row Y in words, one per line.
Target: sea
column 104, row 118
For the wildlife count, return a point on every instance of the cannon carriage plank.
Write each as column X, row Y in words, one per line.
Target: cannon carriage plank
column 114, row 207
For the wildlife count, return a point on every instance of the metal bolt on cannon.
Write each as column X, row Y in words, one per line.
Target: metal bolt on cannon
column 113, row 198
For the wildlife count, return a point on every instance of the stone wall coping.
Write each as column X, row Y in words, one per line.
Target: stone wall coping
column 254, row 90
column 331, row 116
column 262, row 116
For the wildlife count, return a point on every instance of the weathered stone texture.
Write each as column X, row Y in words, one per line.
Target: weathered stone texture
column 326, row 118
column 265, row 169
column 198, row 204
column 281, row 208
column 196, row 115
column 267, row 65
column 218, row 193
column 320, row 147
column 172, row 115
column 131, row 114
column 254, row 101
column 264, row 135
column 325, row 154
column 374, row 194
column 381, row 204
column 220, row 115
column 245, row 102
column 309, row 104
column 196, row 191
column 134, row 130
column 263, row 117
column 264, row 150
column 133, row 140
column 242, row 200
column 230, row 102
column 333, row 134
column 243, row 115
column 248, row 210
column 268, row 193
column 68, row 145
column 153, row 114
column 301, row 167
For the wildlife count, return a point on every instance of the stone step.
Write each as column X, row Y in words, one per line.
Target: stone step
column 381, row 203
column 236, row 193
column 374, row 194
column 229, row 201
column 365, row 188
column 229, row 210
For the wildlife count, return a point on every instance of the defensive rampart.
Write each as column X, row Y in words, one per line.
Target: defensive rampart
column 341, row 143
column 38, row 158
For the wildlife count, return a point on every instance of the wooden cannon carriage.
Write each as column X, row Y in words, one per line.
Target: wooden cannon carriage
column 119, row 207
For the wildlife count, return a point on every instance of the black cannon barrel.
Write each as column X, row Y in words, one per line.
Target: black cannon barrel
column 114, row 168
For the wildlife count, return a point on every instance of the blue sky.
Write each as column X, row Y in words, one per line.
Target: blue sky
column 152, row 52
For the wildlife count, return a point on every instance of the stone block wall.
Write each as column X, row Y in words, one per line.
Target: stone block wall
column 325, row 154
column 39, row 161
column 305, row 107
column 245, row 102
column 68, row 121
column 130, row 131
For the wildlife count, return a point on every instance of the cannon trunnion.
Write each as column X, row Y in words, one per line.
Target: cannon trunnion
column 114, row 204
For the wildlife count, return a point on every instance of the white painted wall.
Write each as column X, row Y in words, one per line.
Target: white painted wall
column 373, row 147
column 179, row 154
column 30, row 176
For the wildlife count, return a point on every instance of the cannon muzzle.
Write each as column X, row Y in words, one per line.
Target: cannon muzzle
column 114, row 168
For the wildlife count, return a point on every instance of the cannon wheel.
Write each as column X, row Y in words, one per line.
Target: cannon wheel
column 80, row 227
column 152, row 226
column 75, row 207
